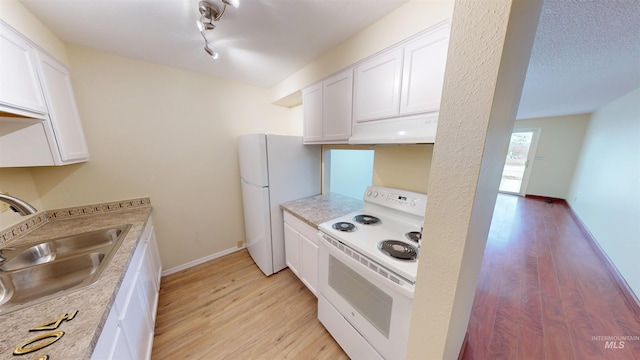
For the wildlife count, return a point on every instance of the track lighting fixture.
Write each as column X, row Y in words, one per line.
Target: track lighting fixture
column 210, row 51
column 210, row 12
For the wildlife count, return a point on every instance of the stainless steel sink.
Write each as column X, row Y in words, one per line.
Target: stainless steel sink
column 36, row 272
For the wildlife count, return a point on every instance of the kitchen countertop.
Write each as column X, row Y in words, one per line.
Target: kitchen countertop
column 321, row 208
column 92, row 302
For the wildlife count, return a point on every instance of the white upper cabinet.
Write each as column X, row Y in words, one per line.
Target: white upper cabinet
column 20, row 91
column 68, row 144
column 377, row 87
column 404, row 80
column 337, row 92
column 312, row 113
column 327, row 108
column 423, row 73
column 39, row 120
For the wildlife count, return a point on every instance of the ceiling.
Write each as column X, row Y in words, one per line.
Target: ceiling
column 586, row 53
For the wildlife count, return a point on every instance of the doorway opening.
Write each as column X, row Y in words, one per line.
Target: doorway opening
column 519, row 162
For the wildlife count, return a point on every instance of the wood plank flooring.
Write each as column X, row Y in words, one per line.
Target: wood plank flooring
column 543, row 293
column 228, row 309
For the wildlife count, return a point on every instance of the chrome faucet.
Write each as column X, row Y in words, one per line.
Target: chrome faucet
column 20, row 206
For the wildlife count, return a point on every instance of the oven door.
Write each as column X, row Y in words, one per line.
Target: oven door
column 378, row 308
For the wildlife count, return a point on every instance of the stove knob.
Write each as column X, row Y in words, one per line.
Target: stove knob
column 375, row 194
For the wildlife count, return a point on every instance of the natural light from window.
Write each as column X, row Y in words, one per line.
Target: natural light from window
column 351, row 171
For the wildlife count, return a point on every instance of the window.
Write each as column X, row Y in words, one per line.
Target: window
column 348, row 172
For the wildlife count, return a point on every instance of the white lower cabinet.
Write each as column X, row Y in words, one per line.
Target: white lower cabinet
column 301, row 249
column 128, row 331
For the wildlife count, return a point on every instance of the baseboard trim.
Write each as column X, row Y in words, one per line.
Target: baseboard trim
column 463, row 348
column 545, row 198
column 622, row 284
column 200, row 261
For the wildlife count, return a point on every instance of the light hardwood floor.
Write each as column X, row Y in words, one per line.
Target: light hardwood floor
column 228, row 309
column 542, row 294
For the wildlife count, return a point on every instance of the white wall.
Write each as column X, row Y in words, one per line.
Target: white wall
column 559, row 144
column 605, row 192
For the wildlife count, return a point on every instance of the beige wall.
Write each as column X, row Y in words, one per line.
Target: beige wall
column 168, row 134
column 407, row 20
column 398, row 166
column 18, row 182
column 560, row 144
column 605, row 192
column 403, row 167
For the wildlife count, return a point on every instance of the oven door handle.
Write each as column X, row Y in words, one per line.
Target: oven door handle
column 404, row 288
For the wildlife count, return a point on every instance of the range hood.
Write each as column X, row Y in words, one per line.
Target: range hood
column 416, row 129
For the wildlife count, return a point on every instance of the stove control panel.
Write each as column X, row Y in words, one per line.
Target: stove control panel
column 403, row 200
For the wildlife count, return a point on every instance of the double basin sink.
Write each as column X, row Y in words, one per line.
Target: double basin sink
column 36, row 272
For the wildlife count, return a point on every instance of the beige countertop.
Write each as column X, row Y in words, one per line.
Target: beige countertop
column 92, row 302
column 321, row 208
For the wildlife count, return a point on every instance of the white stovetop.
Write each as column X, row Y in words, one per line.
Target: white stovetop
column 397, row 220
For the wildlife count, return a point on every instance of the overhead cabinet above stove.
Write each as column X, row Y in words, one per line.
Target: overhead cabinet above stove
column 396, row 93
column 402, row 81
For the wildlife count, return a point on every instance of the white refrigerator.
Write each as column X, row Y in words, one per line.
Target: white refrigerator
column 273, row 169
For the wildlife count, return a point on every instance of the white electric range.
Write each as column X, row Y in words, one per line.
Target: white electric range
column 367, row 271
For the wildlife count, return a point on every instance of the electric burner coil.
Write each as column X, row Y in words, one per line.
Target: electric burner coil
column 413, row 236
column 344, row 226
column 367, row 219
column 398, row 249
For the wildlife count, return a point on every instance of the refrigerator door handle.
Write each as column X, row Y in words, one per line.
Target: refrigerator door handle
column 245, row 182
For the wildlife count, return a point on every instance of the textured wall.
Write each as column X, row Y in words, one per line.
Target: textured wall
column 488, row 55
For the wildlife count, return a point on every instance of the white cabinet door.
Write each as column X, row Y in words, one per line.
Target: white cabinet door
column 63, row 112
column 337, row 105
column 131, row 335
column 312, row 113
column 136, row 326
column 377, row 87
column 423, row 73
column 309, row 256
column 19, row 83
column 292, row 248
column 302, row 250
